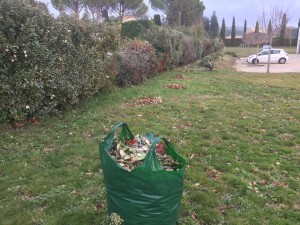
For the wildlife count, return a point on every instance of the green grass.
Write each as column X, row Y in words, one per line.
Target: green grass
column 240, row 134
column 244, row 52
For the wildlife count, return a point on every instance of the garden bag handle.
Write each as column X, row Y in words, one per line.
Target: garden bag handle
column 125, row 130
column 151, row 161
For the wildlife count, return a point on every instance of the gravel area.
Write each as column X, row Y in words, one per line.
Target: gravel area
column 291, row 66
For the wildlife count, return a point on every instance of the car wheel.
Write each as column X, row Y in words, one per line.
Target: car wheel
column 282, row 61
column 255, row 61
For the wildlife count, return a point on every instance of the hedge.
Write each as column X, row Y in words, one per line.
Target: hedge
column 48, row 64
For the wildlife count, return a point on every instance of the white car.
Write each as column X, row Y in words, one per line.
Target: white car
column 277, row 56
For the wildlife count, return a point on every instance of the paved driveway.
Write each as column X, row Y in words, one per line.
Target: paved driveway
column 291, row 66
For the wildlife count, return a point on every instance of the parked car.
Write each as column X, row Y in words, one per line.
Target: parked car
column 277, row 56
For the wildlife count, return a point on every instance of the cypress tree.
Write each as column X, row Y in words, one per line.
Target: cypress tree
column 214, row 26
column 256, row 27
column 223, row 30
column 245, row 27
column 282, row 30
column 270, row 28
column 233, row 32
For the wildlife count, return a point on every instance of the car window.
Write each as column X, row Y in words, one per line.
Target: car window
column 275, row 51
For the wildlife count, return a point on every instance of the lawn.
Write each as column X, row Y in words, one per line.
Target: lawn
column 240, row 135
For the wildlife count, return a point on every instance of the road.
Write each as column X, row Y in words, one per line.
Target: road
column 291, row 66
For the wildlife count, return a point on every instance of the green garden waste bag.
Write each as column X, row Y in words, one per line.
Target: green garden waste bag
column 148, row 194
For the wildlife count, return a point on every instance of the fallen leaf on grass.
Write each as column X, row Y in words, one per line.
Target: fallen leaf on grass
column 279, row 184
column 41, row 208
column 74, row 192
column 100, row 206
column 193, row 215
column 33, row 121
column 160, row 149
column 17, row 125
column 147, row 101
column 224, row 208
column 214, row 174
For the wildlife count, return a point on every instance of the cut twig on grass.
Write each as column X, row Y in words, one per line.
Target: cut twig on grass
column 175, row 86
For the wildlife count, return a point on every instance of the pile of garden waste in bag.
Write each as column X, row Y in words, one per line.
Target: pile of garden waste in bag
column 131, row 153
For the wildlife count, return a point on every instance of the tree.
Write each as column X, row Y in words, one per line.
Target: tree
column 72, row 7
column 206, row 24
column 99, row 9
column 214, row 26
column 233, row 32
column 127, row 8
column 245, row 27
column 223, row 30
column 269, row 28
column 283, row 29
column 275, row 19
column 180, row 12
column 257, row 27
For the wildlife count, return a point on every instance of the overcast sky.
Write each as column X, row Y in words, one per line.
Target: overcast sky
column 241, row 9
column 249, row 10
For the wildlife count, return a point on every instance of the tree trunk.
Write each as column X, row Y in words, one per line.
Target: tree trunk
column 269, row 57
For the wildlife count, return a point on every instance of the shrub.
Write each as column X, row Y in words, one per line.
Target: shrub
column 135, row 62
column 168, row 44
column 189, row 54
column 48, row 64
column 211, row 46
column 133, row 29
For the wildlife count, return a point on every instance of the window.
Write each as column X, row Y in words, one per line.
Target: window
column 275, row 51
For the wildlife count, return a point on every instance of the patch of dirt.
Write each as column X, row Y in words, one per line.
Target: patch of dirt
column 182, row 77
column 175, row 86
column 144, row 101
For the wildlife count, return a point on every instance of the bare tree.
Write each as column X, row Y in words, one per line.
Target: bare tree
column 289, row 35
column 272, row 18
column 255, row 38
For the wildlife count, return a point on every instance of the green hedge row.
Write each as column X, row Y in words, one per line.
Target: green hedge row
column 48, row 64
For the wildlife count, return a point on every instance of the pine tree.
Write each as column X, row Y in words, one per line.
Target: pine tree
column 245, row 27
column 282, row 29
column 214, row 26
column 223, row 30
column 256, row 27
column 233, row 32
